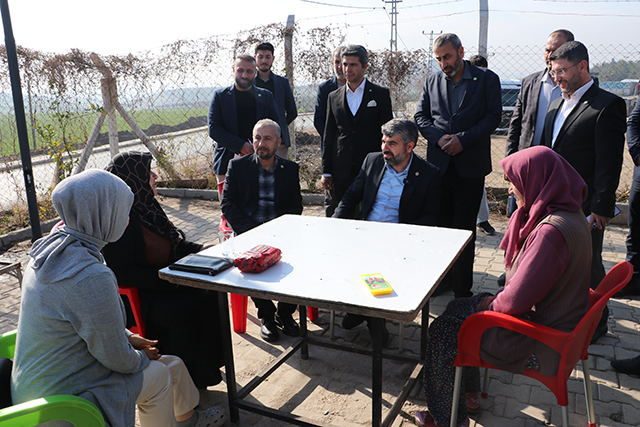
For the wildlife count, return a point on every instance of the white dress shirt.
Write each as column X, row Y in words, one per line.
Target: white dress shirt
column 354, row 97
column 566, row 107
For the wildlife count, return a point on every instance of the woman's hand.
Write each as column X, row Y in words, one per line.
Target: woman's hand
column 484, row 303
column 145, row 345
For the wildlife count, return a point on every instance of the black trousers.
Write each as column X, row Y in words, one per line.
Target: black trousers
column 633, row 238
column 267, row 309
column 459, row 206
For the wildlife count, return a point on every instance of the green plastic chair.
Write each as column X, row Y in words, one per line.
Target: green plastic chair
column 76, row 410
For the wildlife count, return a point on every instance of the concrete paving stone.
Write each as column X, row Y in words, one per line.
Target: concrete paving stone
column 631, row 415
column 604, row 347
column 601, row 409
column 542, row 396
column 489, row 420
column 627, row 342
column 521, row 393
column 516, row 409
column 606, row 378
column 622, row 394
column 629, row 384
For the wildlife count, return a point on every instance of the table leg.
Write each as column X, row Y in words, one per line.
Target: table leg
column 227, row 349
column 376, row 374
column 424, row 331
column 304, row 349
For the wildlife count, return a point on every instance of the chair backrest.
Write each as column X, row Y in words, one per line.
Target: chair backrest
column 616, row 279
column 620, row 273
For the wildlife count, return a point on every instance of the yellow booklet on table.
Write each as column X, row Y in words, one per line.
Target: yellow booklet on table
column 377, row 284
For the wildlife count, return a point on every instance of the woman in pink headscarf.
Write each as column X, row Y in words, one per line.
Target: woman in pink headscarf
column 548, row 259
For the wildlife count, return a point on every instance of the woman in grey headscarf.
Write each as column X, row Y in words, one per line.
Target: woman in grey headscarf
column 71, row 332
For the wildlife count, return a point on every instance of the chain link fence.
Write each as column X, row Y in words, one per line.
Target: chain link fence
column 167, row 93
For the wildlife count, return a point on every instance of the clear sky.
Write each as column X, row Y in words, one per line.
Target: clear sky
column 130, row 26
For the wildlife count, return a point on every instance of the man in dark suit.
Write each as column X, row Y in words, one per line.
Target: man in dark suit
column 258, row 188
column 355, row 114
column 233, row 112
column 586, row 126
column 536, row 93
column 281, row 90
column 325, row 88
column 394, row 186
column 632, row 365
column 633, row 239
column 459, row 109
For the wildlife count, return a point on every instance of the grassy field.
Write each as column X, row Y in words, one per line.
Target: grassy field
column 80, row 125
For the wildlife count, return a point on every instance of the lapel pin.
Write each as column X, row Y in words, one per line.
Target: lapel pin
column 417, row 173
column 475, row 78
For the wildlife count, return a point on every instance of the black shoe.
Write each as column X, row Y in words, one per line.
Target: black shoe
column 269, row 330
column 350, row 321
column 627, row 366
column 486, row 228
column 385, row 332
column 502, row 280
column 632, row 288
column 601, row 331
column 288, row 325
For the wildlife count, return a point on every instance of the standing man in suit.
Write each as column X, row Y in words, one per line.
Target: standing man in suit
column 281, row 90
column 633, row 238
column 259, row 188
column 395, row 186
column 459, row 109
column 233, row 112
column 586, row 126
column 355, row 114
column 325, row 88
column 536, row 93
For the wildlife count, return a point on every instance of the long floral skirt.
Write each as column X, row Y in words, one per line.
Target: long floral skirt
column 442, row 349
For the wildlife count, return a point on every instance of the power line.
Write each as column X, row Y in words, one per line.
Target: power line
column 341, row 5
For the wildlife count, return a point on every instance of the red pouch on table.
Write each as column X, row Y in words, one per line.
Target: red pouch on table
column 258, row 259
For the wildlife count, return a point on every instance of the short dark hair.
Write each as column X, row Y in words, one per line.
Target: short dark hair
column 407, row 130
column 356, row 50
column 264, row 46
column 566, row 34
column 246, row 57
column 448, row 38
column 479, row 61
column 573, row 52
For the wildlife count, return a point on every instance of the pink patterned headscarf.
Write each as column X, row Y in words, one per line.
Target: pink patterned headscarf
column 548, row 183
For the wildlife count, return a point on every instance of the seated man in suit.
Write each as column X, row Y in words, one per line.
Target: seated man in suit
column 258, row 188
column 394, row 185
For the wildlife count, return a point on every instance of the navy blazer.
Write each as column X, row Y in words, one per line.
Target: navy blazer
column 420, row 200
column 285, row 104
column 523, row 121
column 223, row 123
column 320, row 113
column 347, row 138
column 592, row 141
column 240, row 192
column 478, row 116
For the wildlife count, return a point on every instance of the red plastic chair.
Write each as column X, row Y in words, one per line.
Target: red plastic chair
column 134, row 300
column 239, row 302
column 572, row 346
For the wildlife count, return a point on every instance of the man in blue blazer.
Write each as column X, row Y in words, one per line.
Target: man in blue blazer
column 233, row 112
column 281, row 90
column 325, row 88
column 394, row 186
column 258, row 188
column 459, row 109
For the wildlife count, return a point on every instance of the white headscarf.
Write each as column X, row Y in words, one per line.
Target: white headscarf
column 94, row 206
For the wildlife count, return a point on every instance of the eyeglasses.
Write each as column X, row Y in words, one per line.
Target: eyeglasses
column 561, row 72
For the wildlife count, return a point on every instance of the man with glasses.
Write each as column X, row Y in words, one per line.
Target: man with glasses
column 586, row 126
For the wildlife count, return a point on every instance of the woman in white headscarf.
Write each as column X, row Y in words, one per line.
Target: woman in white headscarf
column 71, row 332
